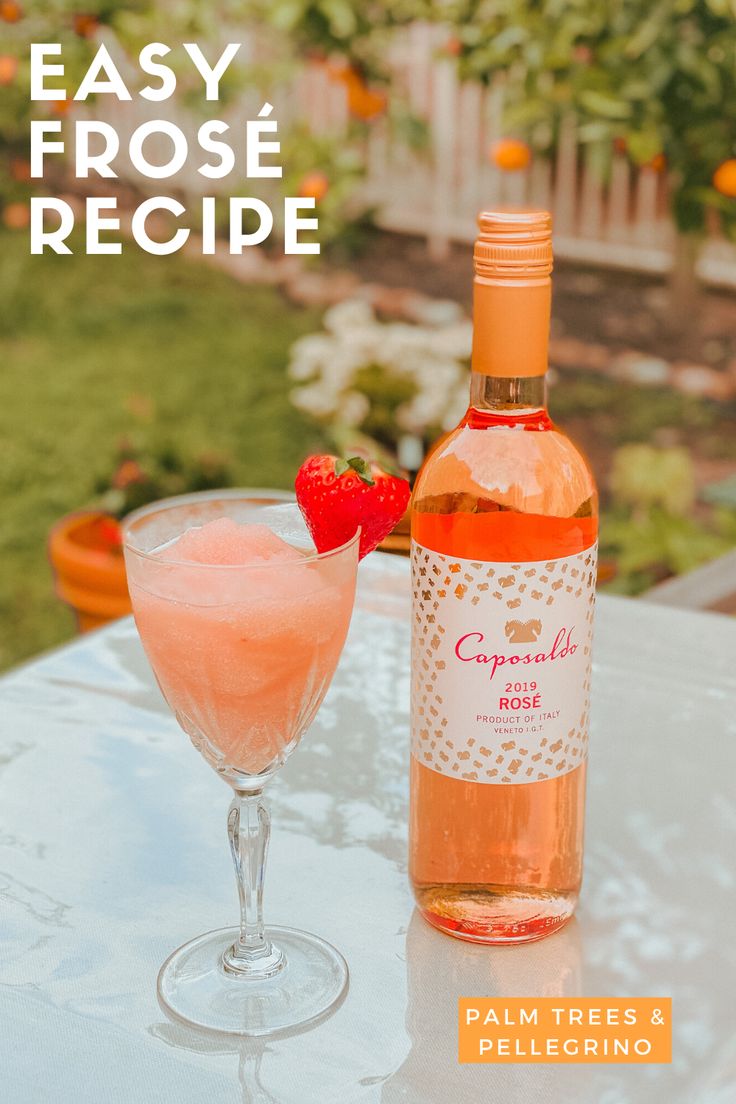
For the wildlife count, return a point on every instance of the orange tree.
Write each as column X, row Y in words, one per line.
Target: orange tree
column 77, row 25
column 354, row 29
column 654, row 77
column 74, row 23
column 314, row 27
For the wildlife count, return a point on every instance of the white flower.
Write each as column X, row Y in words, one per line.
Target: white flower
column 455, row 409
column 314, row 400
column 353, row 408
column 425, row 409
column 433, row 358
column 308, row 354
column 347, row 315
column 454, row 341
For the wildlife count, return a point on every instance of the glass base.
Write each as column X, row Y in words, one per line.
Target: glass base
column 496, row 915
column 194, row 987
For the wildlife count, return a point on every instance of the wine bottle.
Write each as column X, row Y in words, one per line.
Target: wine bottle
column 504, row 531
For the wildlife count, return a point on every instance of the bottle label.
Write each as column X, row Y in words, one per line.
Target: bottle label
column 501, row 658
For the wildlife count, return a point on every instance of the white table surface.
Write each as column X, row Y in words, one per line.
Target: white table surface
column 113, row 852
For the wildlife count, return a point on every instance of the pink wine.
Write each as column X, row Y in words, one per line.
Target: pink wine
column 504, row 530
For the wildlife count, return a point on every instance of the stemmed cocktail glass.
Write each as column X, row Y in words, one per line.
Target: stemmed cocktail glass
column 244, row 653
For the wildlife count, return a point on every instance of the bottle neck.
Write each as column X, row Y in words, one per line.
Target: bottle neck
column 511, row 326
column 517, row 395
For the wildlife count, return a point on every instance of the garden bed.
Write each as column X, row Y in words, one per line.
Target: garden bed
column 611, row 344
column 622, row 310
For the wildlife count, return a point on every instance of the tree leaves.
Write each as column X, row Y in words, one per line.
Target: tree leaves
column 600, row 103
column 658, row 74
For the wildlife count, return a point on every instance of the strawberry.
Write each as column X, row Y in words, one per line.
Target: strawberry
column 336, row 496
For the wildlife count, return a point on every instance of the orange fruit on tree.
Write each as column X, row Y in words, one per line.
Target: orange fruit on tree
column 314, row 185
column 61, row 107
column 20, row 169
column 339, row 70
column 658, row 163
column 582, row 54
column 363, row 102
column 10, row 11
column 724, row 178
column 85, row 24
column 16, row 216
column 510, row 154
column 8, row 68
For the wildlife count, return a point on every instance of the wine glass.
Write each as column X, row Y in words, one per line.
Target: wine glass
column 244, row 654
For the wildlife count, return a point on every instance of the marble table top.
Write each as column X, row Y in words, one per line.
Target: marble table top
column 113, row 852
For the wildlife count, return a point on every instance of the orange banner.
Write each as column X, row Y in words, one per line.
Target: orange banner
column 565, row 1029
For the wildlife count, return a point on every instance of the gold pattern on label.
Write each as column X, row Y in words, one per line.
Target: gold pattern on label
column 501, row 657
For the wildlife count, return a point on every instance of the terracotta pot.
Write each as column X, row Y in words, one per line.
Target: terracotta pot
column 90, row 575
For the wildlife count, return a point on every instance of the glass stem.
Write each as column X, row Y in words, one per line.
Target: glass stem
column 248, row 828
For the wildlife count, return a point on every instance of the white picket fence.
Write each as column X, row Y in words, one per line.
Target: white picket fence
column 437, row 191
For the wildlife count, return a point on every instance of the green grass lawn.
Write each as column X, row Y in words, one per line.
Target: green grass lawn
column 79, row 336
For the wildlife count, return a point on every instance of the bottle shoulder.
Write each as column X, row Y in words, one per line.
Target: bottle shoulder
column 527, row 464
